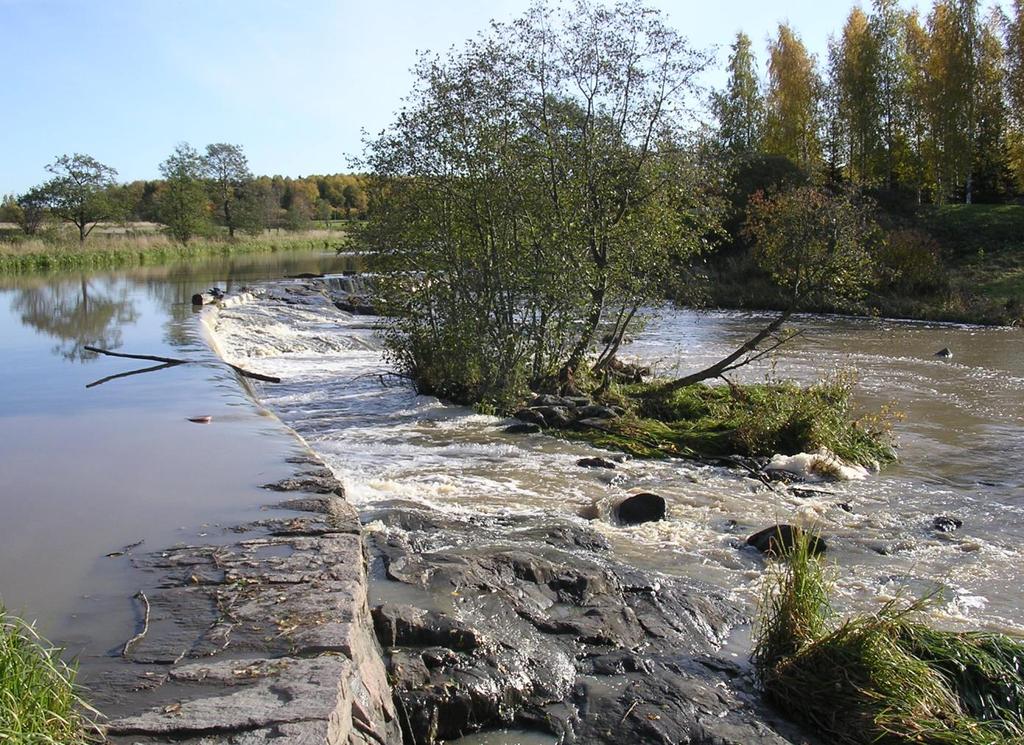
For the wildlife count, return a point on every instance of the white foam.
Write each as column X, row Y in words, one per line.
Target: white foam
column 821, row 465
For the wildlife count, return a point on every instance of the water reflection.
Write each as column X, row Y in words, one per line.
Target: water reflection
column 87, row 468
column 78, row 313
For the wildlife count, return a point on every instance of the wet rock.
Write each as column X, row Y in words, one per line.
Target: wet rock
column 268, row 638
column 547, row 636
column 944, row 352
column 531, row 416
column 566, row 535
column 595, row 411
column 845, row 506
column 779, row 539
column 548, row 399
column 317, row 482
column 356, row 307
column 406, row 626
column 522, row 429
column 595, row 462
column 555, row 416
column 640, row 508
column 946, row 524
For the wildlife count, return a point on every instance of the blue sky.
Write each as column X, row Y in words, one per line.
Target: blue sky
column 293, row 83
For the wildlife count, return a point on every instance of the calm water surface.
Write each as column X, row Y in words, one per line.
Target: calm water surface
column 84, row 471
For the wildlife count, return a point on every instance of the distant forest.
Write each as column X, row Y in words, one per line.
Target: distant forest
column 199, row 193
column 929, row 107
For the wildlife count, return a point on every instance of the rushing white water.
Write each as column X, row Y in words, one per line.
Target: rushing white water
column 962, row 449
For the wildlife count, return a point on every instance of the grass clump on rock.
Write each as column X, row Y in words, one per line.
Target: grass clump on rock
column 881, row 677
column 753, row 420
column 39, row 702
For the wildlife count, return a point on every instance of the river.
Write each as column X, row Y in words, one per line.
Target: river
column 961, row 446
column 87, row 471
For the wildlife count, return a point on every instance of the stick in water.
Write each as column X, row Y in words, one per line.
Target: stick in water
column 145, row 624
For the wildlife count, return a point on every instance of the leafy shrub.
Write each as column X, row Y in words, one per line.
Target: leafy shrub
column 911, row 260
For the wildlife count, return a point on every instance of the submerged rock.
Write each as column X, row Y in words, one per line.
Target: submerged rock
column 526, row 428
column 640, row 508
column 947, row 524
column 781, row 538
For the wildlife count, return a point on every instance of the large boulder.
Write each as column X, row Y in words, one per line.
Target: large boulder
column 640, row 508
column 595, row 462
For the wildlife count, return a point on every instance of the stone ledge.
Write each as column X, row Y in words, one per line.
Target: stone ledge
column 266, row 639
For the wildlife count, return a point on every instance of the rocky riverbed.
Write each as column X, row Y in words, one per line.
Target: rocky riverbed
column 535, row 625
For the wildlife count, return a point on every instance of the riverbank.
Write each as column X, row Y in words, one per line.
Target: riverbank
column 113, row 252
column 953, row 263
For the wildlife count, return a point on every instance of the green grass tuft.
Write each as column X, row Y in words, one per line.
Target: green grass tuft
column 882, row 677
column 39, row 702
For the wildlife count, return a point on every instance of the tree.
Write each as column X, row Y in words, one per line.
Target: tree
column 916, row 167
column 740, row 108
column 1015, row 88
column 183, row 202
column 533, row 188
column 227, row 170
column 857, row 87
column 953, row 72
column 79, row 192
column 888, row 28
column 817, row 245
column 27, row 211
column 792, row 121
column 991, row 168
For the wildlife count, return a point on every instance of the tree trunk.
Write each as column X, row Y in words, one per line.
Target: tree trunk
column 228, row 220
column 727, row 363
column 597, row 296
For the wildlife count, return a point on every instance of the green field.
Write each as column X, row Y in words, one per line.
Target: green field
column 150, row 247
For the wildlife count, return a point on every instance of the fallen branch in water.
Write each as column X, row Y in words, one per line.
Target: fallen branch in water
column 145, row 624
column 167, row 362
column 153, row 357
column 255, row 376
